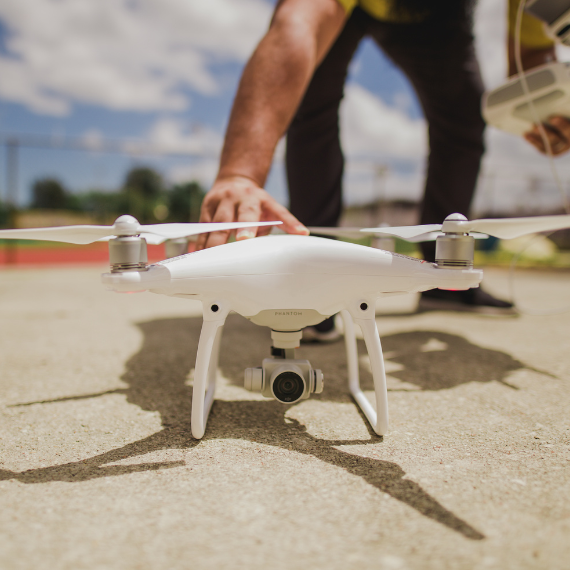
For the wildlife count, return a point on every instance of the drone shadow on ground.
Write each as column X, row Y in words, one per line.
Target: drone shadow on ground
column 157, row 379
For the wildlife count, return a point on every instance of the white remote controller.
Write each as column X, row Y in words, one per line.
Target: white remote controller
column 507, row 107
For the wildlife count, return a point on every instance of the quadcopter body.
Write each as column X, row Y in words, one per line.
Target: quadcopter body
column 308, row 276
column 287, row 283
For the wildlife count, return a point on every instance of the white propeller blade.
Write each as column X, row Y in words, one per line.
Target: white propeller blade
column 432, row 236
column 427, row 236
column 503, row 228
column 125, row 225
column 509, row 228
column 173, row 231
column 357, row 233
column 337, row 232
column 404, row 232
column 68, row 234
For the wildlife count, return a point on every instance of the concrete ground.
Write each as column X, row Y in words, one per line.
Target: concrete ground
column 98, row 468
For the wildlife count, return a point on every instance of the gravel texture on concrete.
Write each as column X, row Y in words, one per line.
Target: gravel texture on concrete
column 99, row 470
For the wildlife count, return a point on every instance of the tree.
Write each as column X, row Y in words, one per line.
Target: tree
column 103, row 206
column 184, row 202
column 49, row 194
column 144, row 190
column 4, row 214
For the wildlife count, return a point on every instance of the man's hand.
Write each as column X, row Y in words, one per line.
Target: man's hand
column 239, row 199
column 272, row 85
column 557, row 128
column 557, row 131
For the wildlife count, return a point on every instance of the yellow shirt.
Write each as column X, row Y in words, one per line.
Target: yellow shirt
column 379, row 9
column 532, row 30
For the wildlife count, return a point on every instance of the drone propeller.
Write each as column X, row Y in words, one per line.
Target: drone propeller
column 425, row 232
column 455, row 243
column 411, row 236
column 504, row 228
column 350, row 233
column 125, row 226
column 509, row 228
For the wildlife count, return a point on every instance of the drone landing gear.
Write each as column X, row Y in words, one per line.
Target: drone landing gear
column 206, row 369
column 366, row 319
column 362, row 314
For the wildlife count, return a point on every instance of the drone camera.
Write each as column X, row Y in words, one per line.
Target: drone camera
column 288, row 386
column 127, row 253
column 286, row 380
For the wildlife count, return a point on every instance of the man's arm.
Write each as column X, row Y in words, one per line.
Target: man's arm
column 270, row 90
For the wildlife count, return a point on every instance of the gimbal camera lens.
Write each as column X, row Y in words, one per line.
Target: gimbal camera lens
column 288, row 387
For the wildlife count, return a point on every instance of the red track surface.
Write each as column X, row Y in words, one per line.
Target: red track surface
column 97, row 253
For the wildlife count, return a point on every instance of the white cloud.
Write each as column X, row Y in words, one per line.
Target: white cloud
column 203, row 171
column 370, row 128
column 491, row 40
column 202, row 144
column 374, row 134
column 122, row 54
column 174, row 136
column 363, row 185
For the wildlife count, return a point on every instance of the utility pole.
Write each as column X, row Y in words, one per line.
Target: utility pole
column 380, row 175
column 387, row 243
column 12, row 147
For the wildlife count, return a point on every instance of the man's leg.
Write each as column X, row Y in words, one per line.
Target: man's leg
column 443, row 69
column 314, row 158
column 442, row 66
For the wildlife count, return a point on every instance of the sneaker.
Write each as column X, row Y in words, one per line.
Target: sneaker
column 322, row 333
column 471, row 301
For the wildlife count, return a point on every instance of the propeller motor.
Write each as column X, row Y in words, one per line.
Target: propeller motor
column 454, row 249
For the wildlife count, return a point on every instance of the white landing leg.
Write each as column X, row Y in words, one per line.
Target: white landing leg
column 363, row 315
column 206, row 370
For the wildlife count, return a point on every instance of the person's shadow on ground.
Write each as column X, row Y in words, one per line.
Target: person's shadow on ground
column 157, row 378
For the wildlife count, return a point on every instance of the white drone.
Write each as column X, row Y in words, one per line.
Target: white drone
column 287, row 283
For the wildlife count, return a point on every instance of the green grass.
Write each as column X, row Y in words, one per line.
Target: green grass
column 495, row 258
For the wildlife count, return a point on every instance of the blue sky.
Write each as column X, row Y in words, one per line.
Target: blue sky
column 163, row 73
column 45, row 101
